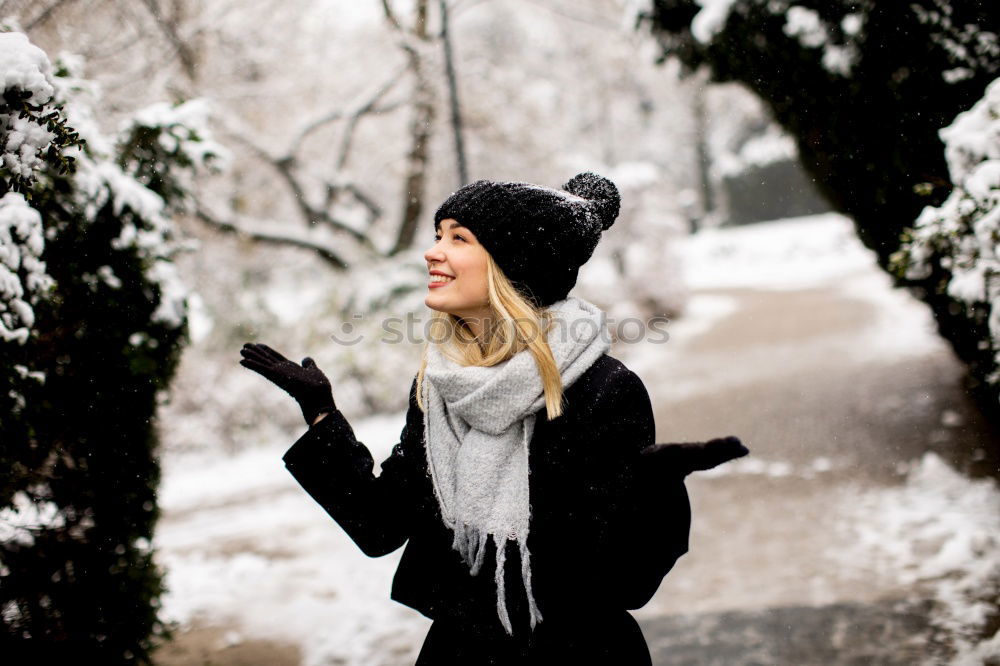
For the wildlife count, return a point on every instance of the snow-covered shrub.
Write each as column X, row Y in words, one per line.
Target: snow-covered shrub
column 170, row 139
column 93, row 318
column 863, row 87
column 958, row 242
column 22, row 272
column 32, row 130
column 835, row 43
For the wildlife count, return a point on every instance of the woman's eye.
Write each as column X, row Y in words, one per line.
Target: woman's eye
column 456, row 236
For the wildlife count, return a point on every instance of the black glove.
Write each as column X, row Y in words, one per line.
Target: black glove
column 306, row 383
column 687, row 457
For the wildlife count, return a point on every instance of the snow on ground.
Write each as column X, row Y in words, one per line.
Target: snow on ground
column 244, row 546
column 817, row 251
column 903, row 327
column 786, row 254
column 940, row 531
column 722, row 267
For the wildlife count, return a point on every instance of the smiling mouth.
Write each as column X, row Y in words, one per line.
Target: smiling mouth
column 440, row 281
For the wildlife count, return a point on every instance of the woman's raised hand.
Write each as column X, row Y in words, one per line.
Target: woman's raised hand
column 686, row 457
column 306, row 383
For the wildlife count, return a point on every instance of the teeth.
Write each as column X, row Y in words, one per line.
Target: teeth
column 441, row 278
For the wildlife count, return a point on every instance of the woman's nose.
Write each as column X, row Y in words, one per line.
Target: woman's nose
column 434, row 254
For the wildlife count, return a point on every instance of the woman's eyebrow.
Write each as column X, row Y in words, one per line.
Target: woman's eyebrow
column 455, row 225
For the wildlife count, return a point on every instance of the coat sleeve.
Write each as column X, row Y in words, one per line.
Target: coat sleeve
column 336, row 470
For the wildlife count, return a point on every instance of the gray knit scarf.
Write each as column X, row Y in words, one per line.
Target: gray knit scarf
column 478, row 424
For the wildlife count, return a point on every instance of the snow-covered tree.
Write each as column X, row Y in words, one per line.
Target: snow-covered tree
column 863, row 87
column 956, row 246
column 93, row 317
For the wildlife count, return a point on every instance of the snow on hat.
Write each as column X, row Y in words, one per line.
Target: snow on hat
column 539, row 236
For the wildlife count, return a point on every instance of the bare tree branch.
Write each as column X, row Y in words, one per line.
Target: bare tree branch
column 572, row 13
column 461, row 5
column 332, row 116
column 390, row 16
column 364, row 200
column 334, row 190
column 268, row 234
column 284, row 166
column 337, row 115
column 420, row 21
column 44, row 15
column 352, row 123
column 369, row 107
column 169, row 29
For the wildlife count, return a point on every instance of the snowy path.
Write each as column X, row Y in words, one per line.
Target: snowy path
column 846, row 537
column 830, row 542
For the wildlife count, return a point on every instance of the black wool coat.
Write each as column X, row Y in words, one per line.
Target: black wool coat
column 582, row 466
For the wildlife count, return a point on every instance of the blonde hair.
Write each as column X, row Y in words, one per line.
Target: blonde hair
column 516, row 324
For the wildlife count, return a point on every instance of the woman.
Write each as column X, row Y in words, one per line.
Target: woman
column 512, row 481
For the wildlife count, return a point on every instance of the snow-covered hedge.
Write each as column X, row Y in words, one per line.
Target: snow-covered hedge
column 92, row 320
column 835, row 42
column 23, row 279
column 865, row 88
column 960, row 239
column 32, row 131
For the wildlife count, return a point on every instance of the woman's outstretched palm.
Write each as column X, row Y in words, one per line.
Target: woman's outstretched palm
column 306, row 382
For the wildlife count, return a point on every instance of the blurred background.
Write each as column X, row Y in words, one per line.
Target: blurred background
column 810, row 210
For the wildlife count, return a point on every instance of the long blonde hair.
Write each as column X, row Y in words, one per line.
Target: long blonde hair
column 516, row 324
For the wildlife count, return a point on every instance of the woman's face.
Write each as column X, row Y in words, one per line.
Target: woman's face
column 457, row 254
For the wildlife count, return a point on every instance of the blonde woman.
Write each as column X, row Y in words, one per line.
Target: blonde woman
column 513, row 483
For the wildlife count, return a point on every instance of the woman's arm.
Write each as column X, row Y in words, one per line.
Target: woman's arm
column 336, row 470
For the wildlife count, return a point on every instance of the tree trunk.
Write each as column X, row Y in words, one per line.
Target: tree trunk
column 456, row 109
column 421, row 126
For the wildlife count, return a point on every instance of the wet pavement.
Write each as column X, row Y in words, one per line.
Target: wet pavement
column 888, row 633
column 834, row 408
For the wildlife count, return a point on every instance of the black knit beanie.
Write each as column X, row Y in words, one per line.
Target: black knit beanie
column 539, row 236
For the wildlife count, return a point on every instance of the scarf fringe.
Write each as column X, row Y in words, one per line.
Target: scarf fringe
column 501, row 587
column 533, row 612
column 471, row 545
column 535, row 616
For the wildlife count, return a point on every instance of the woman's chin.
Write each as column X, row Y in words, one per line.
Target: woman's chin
column 434, row 303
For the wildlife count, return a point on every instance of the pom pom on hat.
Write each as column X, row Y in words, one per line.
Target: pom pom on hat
column 601, row 192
